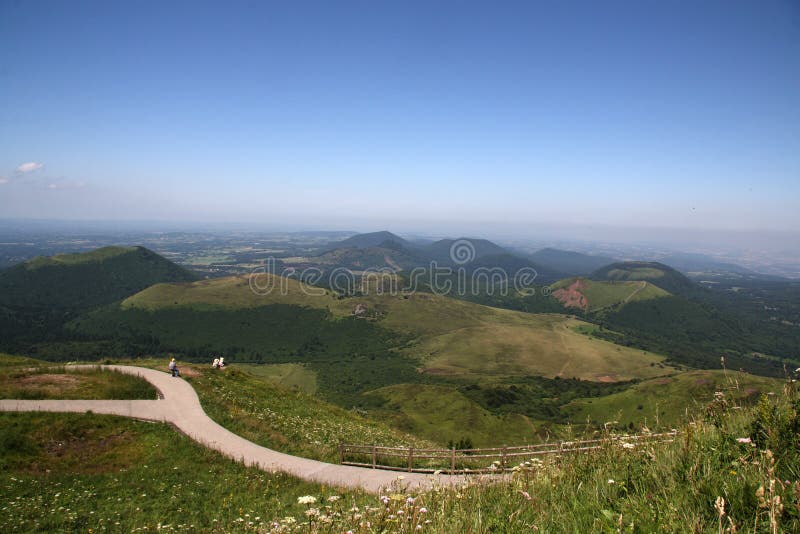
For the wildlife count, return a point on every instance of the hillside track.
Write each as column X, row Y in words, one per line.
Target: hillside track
column 179, row 406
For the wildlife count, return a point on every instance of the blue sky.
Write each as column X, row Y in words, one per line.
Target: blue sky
column 383, row 114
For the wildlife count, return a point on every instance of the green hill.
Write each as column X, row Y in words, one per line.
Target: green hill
column 437, row 335
column 372, row 239
column 440, row 251
column 656, row 273
column 86, row 280
column 669, row 400
column 37, row 297
column 356, row 259
column 593, row 296
column 443, row 414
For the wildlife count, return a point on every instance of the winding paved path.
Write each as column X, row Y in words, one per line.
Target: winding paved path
column 180, row 407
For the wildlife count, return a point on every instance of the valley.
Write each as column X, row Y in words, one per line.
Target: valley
column 494, row 364
column 382, row 362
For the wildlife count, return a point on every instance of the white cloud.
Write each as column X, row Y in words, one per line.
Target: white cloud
column 3, row 180
column 66, row 185
column 29, row 167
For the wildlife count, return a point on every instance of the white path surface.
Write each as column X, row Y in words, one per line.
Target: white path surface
column 180, row 407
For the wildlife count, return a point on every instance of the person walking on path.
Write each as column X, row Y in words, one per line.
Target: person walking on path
column 173, row 368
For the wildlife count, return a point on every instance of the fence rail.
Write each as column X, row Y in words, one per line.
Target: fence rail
column 487, row 460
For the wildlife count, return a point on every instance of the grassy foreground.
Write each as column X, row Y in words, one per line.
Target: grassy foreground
column 27, row 378
column 50, row 382
column 85, row 473
column 732, row 470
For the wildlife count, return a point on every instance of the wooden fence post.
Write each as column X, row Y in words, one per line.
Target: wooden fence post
column 374, row 456
column 453, row 460
column 503, row 458
column 410, row 459
column 341, row 452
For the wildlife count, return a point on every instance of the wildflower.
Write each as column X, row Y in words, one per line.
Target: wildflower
column 744, row 440
column 400, row 477
column 423, row 510
column 437, row 472
column 306, row 499
column 312, row 512
column 526, row 495
column 410, row 500
column 333, row 498
column 611, row 481
column 628, row 446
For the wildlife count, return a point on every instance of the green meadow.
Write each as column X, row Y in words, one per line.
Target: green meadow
column 436, row 334
column 733, row 468
column 27, row 378
column 289, row 375
column 443, row 414
column 668, row 401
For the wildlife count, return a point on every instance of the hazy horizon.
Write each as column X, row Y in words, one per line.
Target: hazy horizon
column 677, row 239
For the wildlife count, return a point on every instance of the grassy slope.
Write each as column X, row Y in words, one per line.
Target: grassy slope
column 27, row 378
column 62, row 473
column 80, row 473
column 55, row 383
column 280, row 417
column 669, row 399
column 231, row 292
column 659, row 274
column 12, row 360
column 288, row 375
column 86, row 280
column 545, row 345
column 601, row 295
column 443, row 414
column 637, row 273
column 451, row 336
column 100, row 254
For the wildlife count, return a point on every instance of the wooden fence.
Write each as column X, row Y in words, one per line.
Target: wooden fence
column 489, row 460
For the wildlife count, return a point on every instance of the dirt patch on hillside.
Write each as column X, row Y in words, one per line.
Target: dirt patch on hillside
column 49, row 379
column 572, row 296
column 437, row 371
column 188, row 372
column 608, row 378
